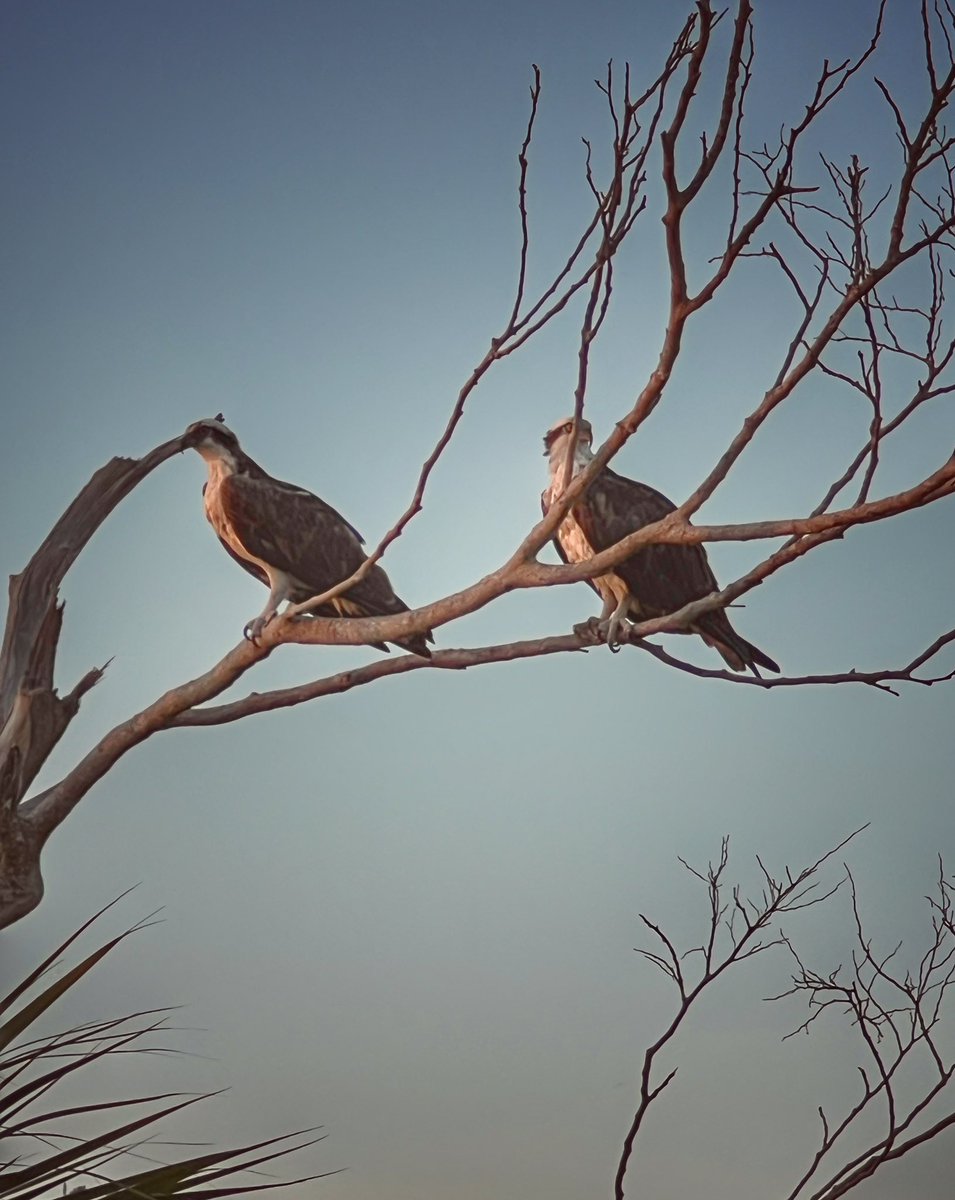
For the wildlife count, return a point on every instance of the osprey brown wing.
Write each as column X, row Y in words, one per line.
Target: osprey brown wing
column 291, row 529
column 662, row 578
column 311, row 542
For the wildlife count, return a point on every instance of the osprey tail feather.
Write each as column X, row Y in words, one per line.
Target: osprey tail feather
column 737, row 652
column 417, row 645
column 345, row 606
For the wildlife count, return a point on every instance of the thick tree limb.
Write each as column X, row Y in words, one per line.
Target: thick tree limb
column 465, row 657
column 32, row 627
column 33, row 717
column 345, row 681
column 46, row 811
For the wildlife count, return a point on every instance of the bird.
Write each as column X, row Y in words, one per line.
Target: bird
column 655, row 580
column 288, row 538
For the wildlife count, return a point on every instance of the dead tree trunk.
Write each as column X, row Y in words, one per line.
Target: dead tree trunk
column 33, row 717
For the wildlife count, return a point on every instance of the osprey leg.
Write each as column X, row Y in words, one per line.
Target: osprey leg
column 277, row 594
column 614, row 620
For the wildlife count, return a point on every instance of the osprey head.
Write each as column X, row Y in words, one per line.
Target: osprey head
column 212, row 438
column 556, row 438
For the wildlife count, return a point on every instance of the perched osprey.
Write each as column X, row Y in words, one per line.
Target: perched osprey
column 657, row 579
column 294, row 543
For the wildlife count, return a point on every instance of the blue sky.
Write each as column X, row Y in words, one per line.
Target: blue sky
column 408, row 913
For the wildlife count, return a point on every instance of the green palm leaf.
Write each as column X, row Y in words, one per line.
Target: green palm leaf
column 32, row 1068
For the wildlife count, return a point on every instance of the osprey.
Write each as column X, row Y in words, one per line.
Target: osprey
column 656, row 579
column 290, row 540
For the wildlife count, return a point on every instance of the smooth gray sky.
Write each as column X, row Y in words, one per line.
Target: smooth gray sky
column 408, row 913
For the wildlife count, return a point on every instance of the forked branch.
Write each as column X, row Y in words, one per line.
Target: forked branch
column 735, row 929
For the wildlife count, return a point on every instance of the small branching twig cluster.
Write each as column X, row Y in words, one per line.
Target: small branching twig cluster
column 736, row 929
column 894, row 1012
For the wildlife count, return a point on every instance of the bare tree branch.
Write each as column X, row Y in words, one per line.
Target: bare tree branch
column 894, row 1012
column 837, row 255
column 726, row 942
